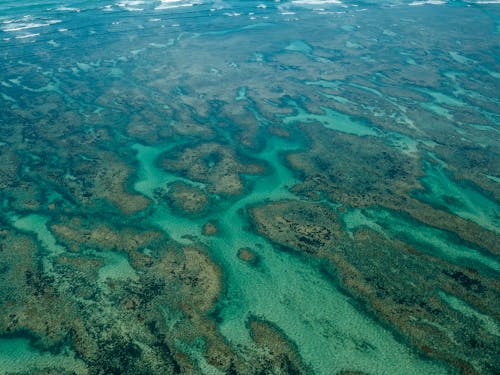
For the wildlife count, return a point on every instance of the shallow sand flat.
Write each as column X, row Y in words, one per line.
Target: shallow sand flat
column 206, row 187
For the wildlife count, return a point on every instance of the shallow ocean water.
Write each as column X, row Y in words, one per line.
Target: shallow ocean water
column 250, row 187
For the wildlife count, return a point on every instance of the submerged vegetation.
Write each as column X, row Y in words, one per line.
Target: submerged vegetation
column 249, row 188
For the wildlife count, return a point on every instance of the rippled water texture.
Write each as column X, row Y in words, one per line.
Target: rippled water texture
column 241, row 187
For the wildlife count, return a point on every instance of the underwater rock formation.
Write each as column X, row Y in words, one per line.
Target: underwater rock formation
column 244, row 188
column 186, row 199
column 214, row 164
column 393, row 279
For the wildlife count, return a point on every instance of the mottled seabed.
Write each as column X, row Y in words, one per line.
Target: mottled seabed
column 241, row 187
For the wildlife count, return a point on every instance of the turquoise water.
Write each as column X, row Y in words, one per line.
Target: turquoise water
column 464, row 201
column 285, row 290
column 18, row 356
column 119, row 120
column 431, row 240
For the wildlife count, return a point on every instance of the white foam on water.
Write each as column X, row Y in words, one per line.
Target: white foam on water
column 68, row 9
column 484, row 2
column 428, row 2
column 27, row 36
column 131, row 5
column 18, row 26
column 170, row 4
column 317, row 2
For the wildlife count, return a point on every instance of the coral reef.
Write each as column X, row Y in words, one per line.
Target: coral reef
column 395, row 281
column 247, row 255
column 212, row 163
column 280, row 356
column 186, row 199
column 210, row 228
column 217, row 189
